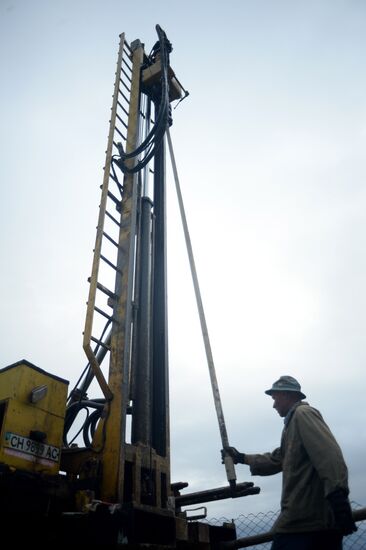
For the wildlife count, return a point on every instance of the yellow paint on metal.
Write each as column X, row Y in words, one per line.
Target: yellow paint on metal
column 21, row 419
column 113, row 451
column 152, row 75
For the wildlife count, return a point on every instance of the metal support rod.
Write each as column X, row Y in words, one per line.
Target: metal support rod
column 160, row 388
column 141, row 417
column 229, row 464
column 220, row 493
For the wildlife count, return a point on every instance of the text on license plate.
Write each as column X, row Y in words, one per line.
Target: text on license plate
column 31, row 447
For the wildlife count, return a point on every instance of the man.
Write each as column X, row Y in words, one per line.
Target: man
column 315, row 510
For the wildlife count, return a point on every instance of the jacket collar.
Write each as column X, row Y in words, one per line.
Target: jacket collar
column 288, row 416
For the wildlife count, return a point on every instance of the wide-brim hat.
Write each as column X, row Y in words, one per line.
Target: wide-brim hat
column 286, row 383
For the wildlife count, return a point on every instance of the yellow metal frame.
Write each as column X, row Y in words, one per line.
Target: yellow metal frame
column 22, row 418
column 114, row 447
column 99, row 237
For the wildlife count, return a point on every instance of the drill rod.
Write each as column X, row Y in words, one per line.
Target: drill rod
column 228, row 461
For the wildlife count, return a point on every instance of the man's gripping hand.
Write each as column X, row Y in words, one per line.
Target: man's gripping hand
column 238, row 458
column 342, row 512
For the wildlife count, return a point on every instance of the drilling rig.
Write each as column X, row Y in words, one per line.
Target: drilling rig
column 115, row 487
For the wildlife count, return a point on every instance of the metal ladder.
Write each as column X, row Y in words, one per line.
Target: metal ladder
column 111, row 251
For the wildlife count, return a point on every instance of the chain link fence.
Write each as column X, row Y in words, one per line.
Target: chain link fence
column 255, row 524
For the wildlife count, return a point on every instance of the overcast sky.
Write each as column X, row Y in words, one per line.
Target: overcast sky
column 270, row 148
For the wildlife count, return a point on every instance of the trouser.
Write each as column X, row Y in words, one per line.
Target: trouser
column 318, row 540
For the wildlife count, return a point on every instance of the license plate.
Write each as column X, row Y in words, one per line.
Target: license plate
column 24, row 445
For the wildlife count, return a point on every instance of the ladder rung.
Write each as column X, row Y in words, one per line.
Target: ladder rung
column 125, row 85
column 110, row 239
column 114, row 199
column 112, row 218
column 122, row 107
column 122, row 121
column 108, row 262
column 100, row 343
column 126, row 75
column 114, row 178
column 110, row 317
column 105, row 290
column 123, row 95
column 120, row 133
column 127, row 65
column 127, row 46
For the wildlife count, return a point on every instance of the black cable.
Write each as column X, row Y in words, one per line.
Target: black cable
column 76, row 435
column 164, row 104
column 90, row 425
column 156, row 134
column 79, row 394
column 74, row 409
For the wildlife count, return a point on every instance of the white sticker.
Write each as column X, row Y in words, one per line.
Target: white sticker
column 25, row 446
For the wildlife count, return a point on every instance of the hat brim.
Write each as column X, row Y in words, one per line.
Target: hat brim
column 271, row 392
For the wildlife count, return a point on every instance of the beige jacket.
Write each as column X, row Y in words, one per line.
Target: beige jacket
column 313, row 467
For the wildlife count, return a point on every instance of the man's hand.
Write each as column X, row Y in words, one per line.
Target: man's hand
column 342, row 512
column 238, row 458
